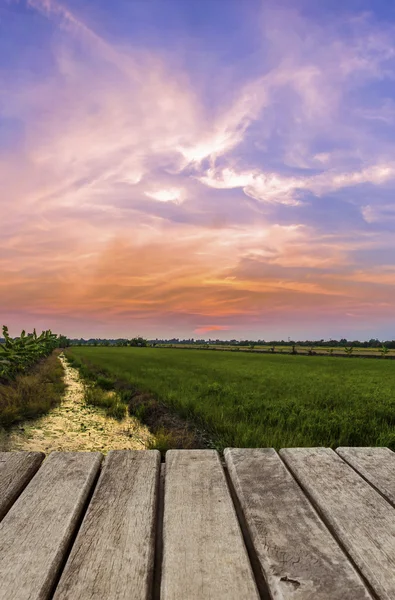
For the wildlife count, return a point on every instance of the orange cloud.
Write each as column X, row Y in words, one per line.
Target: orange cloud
column 182, row 273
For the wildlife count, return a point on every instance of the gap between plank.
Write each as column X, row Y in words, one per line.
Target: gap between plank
column 323, row 518
column 25, row 483
column 76, row 531
column 376, row 489
column 252, row 555
column 158, row 555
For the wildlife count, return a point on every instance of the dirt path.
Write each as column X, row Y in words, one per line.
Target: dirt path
column 74, row 425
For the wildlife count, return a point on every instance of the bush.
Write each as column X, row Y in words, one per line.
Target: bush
column 108, row 400
column 31, row 395
column 105, row 383
column 117, row 411
column 164, row 440
column 140, row 412
column 98, row 397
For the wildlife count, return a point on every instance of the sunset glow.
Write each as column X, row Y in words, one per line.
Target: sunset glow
column 198, row 168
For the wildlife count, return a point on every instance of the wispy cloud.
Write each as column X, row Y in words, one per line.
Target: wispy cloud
column 284, row 189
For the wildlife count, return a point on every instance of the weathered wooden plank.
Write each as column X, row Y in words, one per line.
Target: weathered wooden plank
column 204, row 556
column 36, row 532
column 113, row 555
column 377, row 465
column 299, row 558
column 361, row 519
column 16, row 470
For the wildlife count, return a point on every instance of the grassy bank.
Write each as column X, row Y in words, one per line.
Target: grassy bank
column 252, row 400
column 103, row 387
column 32, row 394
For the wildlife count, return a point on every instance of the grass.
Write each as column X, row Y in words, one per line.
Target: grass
column 252, row 400
column 99, row 389
column 163, row 441
column 116, row 395
column 109, row 401
column 31, row 395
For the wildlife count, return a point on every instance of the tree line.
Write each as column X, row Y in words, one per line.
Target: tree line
column 139, row 341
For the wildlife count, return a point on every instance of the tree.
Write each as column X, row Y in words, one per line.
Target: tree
column 138, row 341
column 63, row 341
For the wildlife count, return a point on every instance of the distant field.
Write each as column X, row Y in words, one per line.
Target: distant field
column 252, row 400
column 325, row 350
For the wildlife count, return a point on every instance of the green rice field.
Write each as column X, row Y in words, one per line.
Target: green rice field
column 252, row 400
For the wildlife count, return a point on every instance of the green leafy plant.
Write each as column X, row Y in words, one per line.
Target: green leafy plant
column 348, row 350
column 383, row 351
column 18, row 354
column 137, row 341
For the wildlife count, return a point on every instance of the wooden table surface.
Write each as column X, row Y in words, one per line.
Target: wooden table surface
column 301, row 524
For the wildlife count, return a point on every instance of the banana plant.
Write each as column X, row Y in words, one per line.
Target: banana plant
column 18, row 354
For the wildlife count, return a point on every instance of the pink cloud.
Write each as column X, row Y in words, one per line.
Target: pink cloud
column 209, row 328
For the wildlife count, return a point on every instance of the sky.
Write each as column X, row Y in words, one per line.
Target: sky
column 200, row 168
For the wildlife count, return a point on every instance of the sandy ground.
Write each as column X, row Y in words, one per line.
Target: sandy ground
column 74, row 425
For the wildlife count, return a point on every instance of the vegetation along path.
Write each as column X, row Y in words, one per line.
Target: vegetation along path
column 75, row 425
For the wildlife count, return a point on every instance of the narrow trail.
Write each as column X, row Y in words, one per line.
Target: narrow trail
column 77, row 426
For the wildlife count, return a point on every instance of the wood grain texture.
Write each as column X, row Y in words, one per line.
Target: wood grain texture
column 377, row 465
column 113, row 555
column 299, row 558
column 204, row 556
column 36, row 532
column 16, row 470
column 362, row 520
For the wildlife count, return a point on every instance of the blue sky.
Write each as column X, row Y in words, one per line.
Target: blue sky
column 173, row 167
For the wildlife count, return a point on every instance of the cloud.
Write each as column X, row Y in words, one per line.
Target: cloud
column 228, row 130
column 67, row 20
column 283, row 189
column 264, row 187
column 379, row 213
column 209, row 328
column 167, row 195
